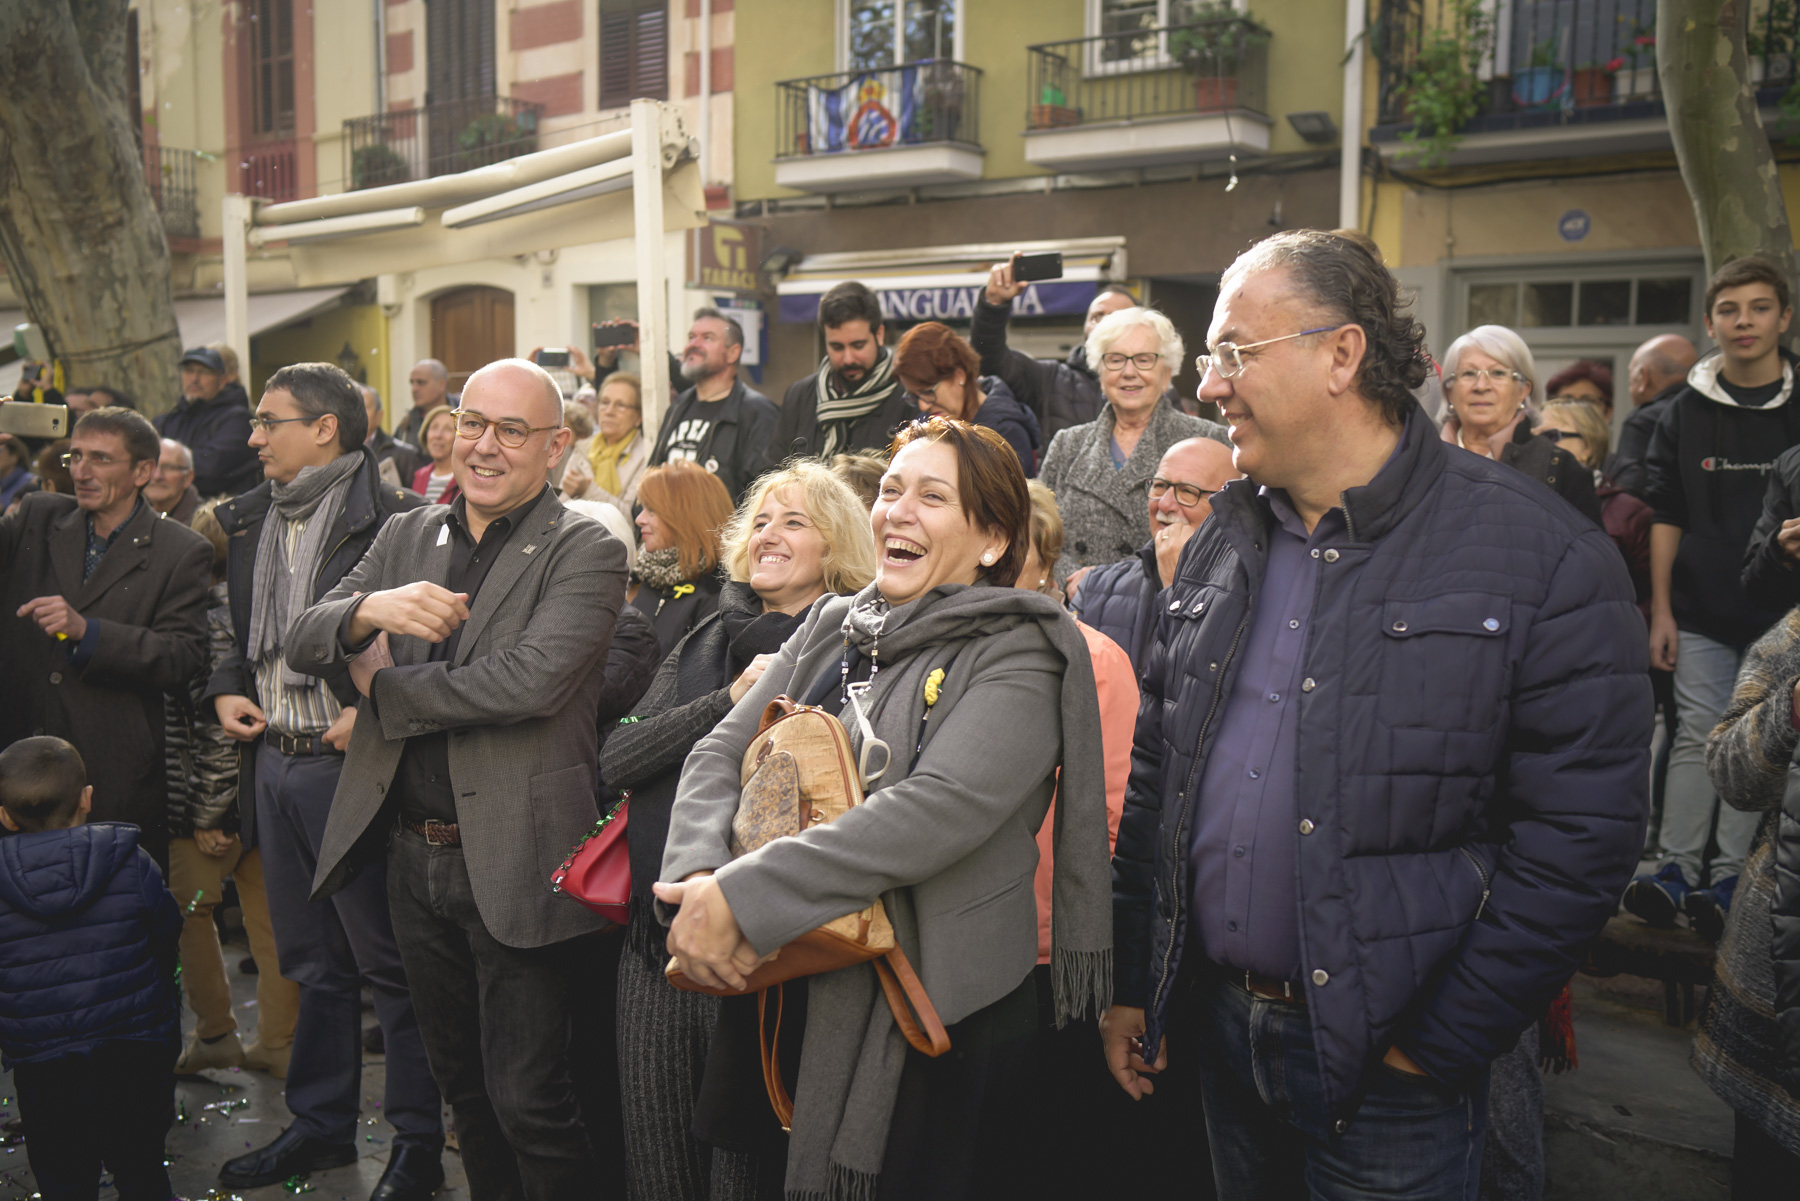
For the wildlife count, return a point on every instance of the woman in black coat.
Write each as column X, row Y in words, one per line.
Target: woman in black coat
column 674, row 581
column 801, row 534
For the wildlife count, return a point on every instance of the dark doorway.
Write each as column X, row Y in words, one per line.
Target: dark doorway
column 470, row 328
column 1189, row 305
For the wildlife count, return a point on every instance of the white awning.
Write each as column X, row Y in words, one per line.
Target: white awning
column 202, row 320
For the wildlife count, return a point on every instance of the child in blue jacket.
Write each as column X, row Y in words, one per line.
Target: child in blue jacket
column 88, row 1019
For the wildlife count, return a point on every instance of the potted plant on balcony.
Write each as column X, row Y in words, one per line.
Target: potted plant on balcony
column 1639, row 80
column 496, row 137
column 1539, row 82
column 376, row 166
column 1592, row 83
column 1443, row 91
column 1211, row 48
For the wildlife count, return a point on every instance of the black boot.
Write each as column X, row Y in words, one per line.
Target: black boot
column 291, row 1154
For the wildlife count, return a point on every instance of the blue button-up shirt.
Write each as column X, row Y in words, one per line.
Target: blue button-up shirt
column 1242, row 858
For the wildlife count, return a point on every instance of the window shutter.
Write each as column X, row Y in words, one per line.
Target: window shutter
column 615, row 59
column 634, row 52
column 651, row 59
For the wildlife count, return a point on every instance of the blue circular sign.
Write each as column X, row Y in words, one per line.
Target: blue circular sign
column 1574, row 225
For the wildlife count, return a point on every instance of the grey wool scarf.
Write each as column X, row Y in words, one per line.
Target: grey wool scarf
column 281, row 590
column 853, row 1053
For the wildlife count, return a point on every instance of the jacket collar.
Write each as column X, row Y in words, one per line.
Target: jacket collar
column 361, row 504
column 129, row 551
column 1372, row 509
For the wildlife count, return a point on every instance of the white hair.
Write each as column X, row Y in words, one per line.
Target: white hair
column 183, row 448
column 1114, row 326
column 616, row 523
column 1504, row 347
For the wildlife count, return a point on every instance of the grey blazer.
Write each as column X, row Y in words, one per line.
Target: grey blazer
column 519, row 700
column 960, row 830
column 1106, row 510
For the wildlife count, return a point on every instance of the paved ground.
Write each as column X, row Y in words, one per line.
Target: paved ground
column 229, row 1112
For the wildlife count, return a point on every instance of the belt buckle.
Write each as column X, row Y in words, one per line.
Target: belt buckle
column 1286, row 994
column 440, row 834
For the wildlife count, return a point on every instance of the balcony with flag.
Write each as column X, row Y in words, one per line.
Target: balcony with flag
column 903, row 126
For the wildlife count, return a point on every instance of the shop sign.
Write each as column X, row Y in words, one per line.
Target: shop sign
column 725, row 257
column 904, row 305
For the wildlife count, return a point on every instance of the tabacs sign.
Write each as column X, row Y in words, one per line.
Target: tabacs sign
column 725, row 258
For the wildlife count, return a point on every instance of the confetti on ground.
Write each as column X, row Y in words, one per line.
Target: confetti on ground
column 296, row 1185
column 225, row 1107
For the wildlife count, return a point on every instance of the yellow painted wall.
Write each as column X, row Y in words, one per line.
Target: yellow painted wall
column 792, row 39
column 343, row 81
column 321, row 340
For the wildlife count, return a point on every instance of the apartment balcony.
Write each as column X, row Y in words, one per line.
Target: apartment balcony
column 170, row 174
column 1570, row 79
column 899, row 127
column 1147, row 97
column 438, row 139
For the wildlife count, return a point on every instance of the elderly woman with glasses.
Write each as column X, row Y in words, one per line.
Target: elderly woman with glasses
column 1100, row 472
column 1490, row 386
column 610, row 465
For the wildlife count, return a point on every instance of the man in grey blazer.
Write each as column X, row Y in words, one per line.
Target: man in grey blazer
column 478, row 631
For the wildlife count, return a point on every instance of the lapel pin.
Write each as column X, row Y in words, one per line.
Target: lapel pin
column 531, row 548
column 443, row 535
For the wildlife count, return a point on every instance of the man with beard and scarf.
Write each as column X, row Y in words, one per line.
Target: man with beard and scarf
column 1062, row 392
column 854, row 401
column 291, row 540
column 718, row 422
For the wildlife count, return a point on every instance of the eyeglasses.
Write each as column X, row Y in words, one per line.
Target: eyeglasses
column 1556, row 435
column 619, row 405
column 512, row 434
column 99, row 462
column 267, row 424
column 924, row 393
column 1227, row 358
column 1186, row 495
column 174, row 469
column 1146, row 361
column 1470, row 379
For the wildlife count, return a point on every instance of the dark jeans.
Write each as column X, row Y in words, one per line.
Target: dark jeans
column 328, row 948
column 1272, row 1136
column 1761, row 1168
column 113, row 1106
column 498, row 1028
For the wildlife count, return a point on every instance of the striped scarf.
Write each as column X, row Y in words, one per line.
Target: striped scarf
column 837, row 410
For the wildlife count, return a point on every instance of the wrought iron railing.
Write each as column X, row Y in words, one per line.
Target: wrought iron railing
column 1552, row 58
column 935, row 100
column 438, row 139
column 170, row 174
column 1213, row 65
column 270, row 170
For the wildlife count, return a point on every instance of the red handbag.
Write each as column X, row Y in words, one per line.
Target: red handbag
column 598, row 870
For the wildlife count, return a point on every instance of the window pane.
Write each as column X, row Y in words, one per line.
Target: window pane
column 1606, row 302
column 1493, row 304
column 930, row 29
column 1665, row 301
column 1125, row 21
column 871, row 34
column 1548, row 304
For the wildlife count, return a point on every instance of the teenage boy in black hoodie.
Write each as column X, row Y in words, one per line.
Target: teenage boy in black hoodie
column 1708, row 468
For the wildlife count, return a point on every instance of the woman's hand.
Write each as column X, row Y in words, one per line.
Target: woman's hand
column 578, row 476
column 749, row 676
column 705, row 939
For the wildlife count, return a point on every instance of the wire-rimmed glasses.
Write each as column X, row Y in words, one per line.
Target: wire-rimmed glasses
column 1227, row 358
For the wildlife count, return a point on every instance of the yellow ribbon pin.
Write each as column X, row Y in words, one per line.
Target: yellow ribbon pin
column 932, row 683
column 681, row 590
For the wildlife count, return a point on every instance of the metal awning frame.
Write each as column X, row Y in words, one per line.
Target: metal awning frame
column 650, row 158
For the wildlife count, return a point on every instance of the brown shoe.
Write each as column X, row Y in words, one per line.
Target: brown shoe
column 275, row 1062
column 197, row 1056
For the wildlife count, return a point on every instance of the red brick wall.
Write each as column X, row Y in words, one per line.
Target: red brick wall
column 546, row 24
column 559, row 94
column 723, row 65
column 399, row 52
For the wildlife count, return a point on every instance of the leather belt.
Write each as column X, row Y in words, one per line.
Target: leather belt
column 1268, row 988
column 437, row 833
column 299, row 744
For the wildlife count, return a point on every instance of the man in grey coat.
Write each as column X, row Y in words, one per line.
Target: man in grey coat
column 478, row 631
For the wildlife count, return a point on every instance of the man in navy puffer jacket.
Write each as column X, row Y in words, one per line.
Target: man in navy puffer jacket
column 1391, row 765
column 88, row 1019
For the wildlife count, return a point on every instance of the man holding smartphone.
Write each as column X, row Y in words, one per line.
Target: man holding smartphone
column 1062, row 392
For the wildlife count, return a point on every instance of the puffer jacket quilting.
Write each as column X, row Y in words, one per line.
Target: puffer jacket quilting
column 87, row 943
column 1472, row 768
column 1118, row 599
